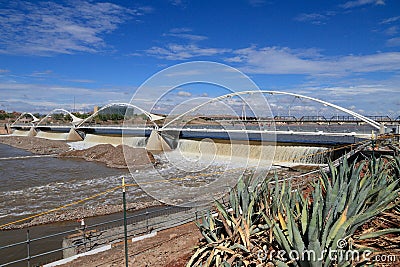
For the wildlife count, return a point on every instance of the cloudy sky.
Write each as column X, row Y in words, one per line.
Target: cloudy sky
column 57, row 53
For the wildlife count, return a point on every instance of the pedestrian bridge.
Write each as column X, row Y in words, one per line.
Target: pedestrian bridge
column 307, row 129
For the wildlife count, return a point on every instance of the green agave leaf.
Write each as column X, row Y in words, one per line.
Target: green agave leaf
column 304, row 218
column 280, row 264
column 379, row 233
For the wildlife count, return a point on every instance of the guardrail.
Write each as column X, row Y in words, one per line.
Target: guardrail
column 90, row 237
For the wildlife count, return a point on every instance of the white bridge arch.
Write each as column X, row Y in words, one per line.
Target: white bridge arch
column 369, row 121
column 74, row 122
column 34, row 119
column 152, row 117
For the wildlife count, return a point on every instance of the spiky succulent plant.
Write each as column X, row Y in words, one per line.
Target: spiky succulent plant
column 266, row 216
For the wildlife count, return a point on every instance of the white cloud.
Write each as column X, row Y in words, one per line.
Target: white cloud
column 185, row 33
column 393, row 42
column 191, row 37
column 357, row 3
column 391, row 30
column 390, row 20
column 183, row 52
column 45, row 97
column 184, row 93
column 180, row 30
column 46, row 28
column 180, row 3
column 41, row 73
column 314, row 18
column 4, row 71
column 283, row 60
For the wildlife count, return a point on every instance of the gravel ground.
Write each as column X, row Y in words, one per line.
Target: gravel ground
column 172, row 248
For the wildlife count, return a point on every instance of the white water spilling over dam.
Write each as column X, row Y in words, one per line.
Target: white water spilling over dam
column 208, row 149
column 278, row 154
column 52, row 135
column 132, row 141
column 20, row 133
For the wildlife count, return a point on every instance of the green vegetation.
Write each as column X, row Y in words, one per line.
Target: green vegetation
column 276, row 223
column 110, row 117
column 4, row 116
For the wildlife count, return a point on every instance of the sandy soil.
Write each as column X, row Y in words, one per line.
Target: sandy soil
column 114, row 156
column 35, row 145
column 172, row 248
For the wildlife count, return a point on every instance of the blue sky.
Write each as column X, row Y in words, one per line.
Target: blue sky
column 346, row 52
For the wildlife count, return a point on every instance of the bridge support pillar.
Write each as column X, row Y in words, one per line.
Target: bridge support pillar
column 382, row 129
column 32, row 132
column 73, row 135
column 156, row 142
column 8, row 129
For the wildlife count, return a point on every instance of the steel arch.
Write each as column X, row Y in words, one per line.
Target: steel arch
column 74, row 122
column 152, row 117
column 359, row 116
column 26, row 113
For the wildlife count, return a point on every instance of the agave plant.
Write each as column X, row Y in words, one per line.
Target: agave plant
column 265, row 216
column 231, row 234
column 340, row 203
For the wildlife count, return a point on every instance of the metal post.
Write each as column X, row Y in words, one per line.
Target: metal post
column 125, row 223
column 84, row 234
column 147, row 220
column 28, row 247
column 373, row 153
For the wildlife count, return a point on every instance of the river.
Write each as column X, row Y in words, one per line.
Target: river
column 32, row 185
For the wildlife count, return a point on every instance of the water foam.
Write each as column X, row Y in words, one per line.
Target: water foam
column 255, row 154
column 52, row 135
column 115, row 140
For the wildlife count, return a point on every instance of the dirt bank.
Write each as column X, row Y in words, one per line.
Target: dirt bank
column 137, row 158
column 35, row 145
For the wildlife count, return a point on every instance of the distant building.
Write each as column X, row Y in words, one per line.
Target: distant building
column 95, row 109
column 25, row 120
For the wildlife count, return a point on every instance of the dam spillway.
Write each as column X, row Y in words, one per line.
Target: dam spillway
column 218, row 145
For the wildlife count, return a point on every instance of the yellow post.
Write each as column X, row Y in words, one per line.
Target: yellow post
column 125, row 224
